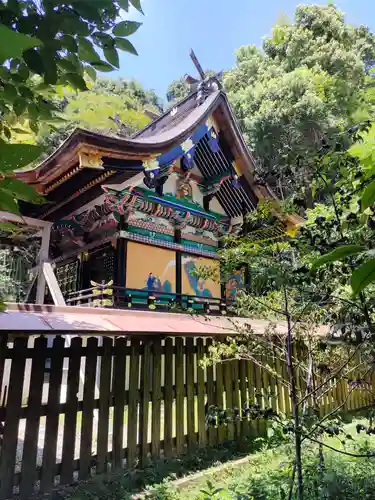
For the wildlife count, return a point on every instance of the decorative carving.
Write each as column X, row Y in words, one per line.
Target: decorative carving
column 90, row 159
column 184, row 188
column 206, row 87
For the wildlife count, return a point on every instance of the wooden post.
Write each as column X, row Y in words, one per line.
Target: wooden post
column 177, row 239
column 120, row 259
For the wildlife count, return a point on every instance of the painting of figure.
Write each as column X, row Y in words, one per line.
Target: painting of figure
column 150, row 268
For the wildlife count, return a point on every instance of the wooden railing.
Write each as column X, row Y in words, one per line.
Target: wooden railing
column 126, row 298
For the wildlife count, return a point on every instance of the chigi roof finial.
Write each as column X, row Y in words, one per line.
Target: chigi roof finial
column 197, row 64
column 206, row 85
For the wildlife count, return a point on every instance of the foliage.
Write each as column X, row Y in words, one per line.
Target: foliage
column 111, row 107
column 177, row 90
column 309, row 80
column 263, row 476
column 156, row 476
column 46, row 46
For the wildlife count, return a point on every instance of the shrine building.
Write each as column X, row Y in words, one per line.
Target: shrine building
column 135, row 219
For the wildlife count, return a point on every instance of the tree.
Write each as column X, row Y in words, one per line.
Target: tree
column 131, row 89
column 177, row 90
column 44, row 46
column 308, row 81
column 110, row 107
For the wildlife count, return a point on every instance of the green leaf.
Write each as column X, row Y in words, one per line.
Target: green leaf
column 112, row 56
column 23, row 72
column 102, row 66
column 66, row 65
column 34, row 61
column 25, row 92
column 103, row 39
column 90, row 72
column 363, row 276
column 16, row 156
column 368, row 196
column 7, row 132
column 9, row 92
column 7, row 202
column 126, row 28
column 124, row 4
column 8, row 227
column 125, row 45
column 19, row 106
column 69, row 43
column 21, row 191
column 33, row 111
column 50, row 75
column 86, row 51
column 76, row 81
column 13, row 44
column 137, row 5
column 339, row 253
column 74, row 60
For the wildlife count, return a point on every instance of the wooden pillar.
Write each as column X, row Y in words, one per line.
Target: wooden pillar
column 43, row 257
column 222, row 284
column 120, row 255
column 177, row 239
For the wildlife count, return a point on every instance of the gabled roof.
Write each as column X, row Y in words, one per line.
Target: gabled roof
column 157, row 138
column 67, row 184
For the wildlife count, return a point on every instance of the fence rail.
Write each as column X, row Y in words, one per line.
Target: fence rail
column 90, row 405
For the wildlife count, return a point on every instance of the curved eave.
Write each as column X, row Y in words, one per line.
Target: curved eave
column 137, row 148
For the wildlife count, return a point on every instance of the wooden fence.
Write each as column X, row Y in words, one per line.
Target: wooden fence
column 83, row 406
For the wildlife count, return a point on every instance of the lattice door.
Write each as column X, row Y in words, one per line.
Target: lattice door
column 67, row 277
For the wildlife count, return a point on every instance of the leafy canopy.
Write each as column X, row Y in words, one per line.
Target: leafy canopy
column 308, row 80
column 47, row 45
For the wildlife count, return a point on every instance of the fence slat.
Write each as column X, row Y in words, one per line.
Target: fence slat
column 180, row 396
column 228, row 382
column 219, row 396
column 253, row 427
column 119, row 402
column 104, row 403
column 261, row 386
column 190, row 392
column 88, row 408
column 70, row 421
column 156, row 399
column 14, row 401
column 280, row 387
column 202, row 434
column 212, row 431
column 133, row 403
column 168, row 397
column 30, row 446
column 52, row 419
column 236, row 395
column 145, row 400
column 244, row 398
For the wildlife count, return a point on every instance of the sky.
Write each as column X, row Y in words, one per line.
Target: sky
column 214, row 29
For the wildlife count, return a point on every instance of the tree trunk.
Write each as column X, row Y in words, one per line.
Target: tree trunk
column 294, row 400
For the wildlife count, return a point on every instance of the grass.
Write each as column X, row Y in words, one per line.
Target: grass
column 262, row 475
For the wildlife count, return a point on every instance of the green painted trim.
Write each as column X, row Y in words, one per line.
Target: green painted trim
column 150, row 195
column 150, row 234
column 200, row 246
